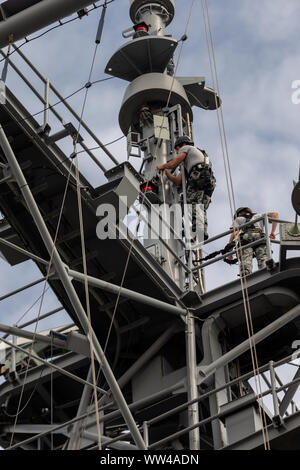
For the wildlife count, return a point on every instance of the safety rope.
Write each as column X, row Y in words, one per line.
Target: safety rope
column 51, row 257
column 29, row 308
column 81, row 224
column 40, row 307
column 87, row 297
column 228, row 174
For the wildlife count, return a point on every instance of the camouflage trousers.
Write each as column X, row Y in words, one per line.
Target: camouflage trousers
column 196, row 198
column 247, row 254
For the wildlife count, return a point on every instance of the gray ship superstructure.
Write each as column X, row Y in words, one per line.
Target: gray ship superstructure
column 177, row 368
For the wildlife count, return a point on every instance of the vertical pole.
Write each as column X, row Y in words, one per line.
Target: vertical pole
column 187, row 230
column 274, row 393
column 46, row 111
column 69, row 288
column 13, row 354
column 191, row 359
column 191, row 362
column 268, row 243
column 198, row 251
column 84, row 402
column 146, row 433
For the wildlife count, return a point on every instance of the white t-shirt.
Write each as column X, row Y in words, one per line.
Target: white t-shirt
column 242, row 220
column 193, row 157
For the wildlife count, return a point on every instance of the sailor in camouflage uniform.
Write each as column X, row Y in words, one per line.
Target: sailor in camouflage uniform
column 200, row 181
column 250, row 234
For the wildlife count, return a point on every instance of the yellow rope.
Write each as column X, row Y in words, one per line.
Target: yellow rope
column 229, row 183
column 87, row 297
column 40, row 307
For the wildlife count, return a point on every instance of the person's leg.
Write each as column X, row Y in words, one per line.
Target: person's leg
column 246, row 261
column 195, row 200
column 206, row 202
column 261, row 256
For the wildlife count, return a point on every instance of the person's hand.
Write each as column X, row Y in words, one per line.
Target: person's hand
column 161, row 167
column 272, row 236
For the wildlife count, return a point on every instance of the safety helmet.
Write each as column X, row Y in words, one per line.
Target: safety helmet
column 184, row 140
column 242, row 209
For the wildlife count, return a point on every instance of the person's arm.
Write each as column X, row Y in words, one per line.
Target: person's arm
column 175, row 179
column 273, row 215
column 232, row 237
column 172, row 164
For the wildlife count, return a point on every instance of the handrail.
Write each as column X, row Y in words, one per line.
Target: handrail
column 49, row 86
column 251, row 399
column 60, row 97
column 228, row 232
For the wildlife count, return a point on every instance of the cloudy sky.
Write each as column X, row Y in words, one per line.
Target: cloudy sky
column 257, row 53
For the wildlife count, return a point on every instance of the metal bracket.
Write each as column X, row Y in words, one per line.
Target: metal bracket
column 69, row 130
column 277, row 421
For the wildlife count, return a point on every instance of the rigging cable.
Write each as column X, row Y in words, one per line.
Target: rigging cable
column 82, row 236
column 238, row 243
column 87, row 85
column 228, row 175
column 40, row 307
column 48, row 271
column 61, row 23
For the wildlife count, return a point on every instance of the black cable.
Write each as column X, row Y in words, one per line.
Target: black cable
column 105, row 145
column 87, row 85
column 9, row 415
column 61, row 23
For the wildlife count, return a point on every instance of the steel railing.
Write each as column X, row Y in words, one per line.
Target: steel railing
column 44, row 99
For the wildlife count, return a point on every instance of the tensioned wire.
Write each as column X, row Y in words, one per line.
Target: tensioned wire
column 230, row 189
column 48, row 272
column 144, row 195
column 40, row 307
column 49, row 266
column 61, row 23
column 226, row 160
column 83, row 248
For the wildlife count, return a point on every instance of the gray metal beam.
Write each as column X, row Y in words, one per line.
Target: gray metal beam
column 114, row 289
column 106, row 440
column 114, row 414
column 69, row 288
column 20, row 289
column 147, row 355
column 30, row 428
column 254, row 441
column 53, row 366
column 12, row 330
column 84, row 403
column 38, row 16
column 41, row 317
column 24, row 252
column 206, row 371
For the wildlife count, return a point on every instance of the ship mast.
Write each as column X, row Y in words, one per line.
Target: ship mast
column 156, row 110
